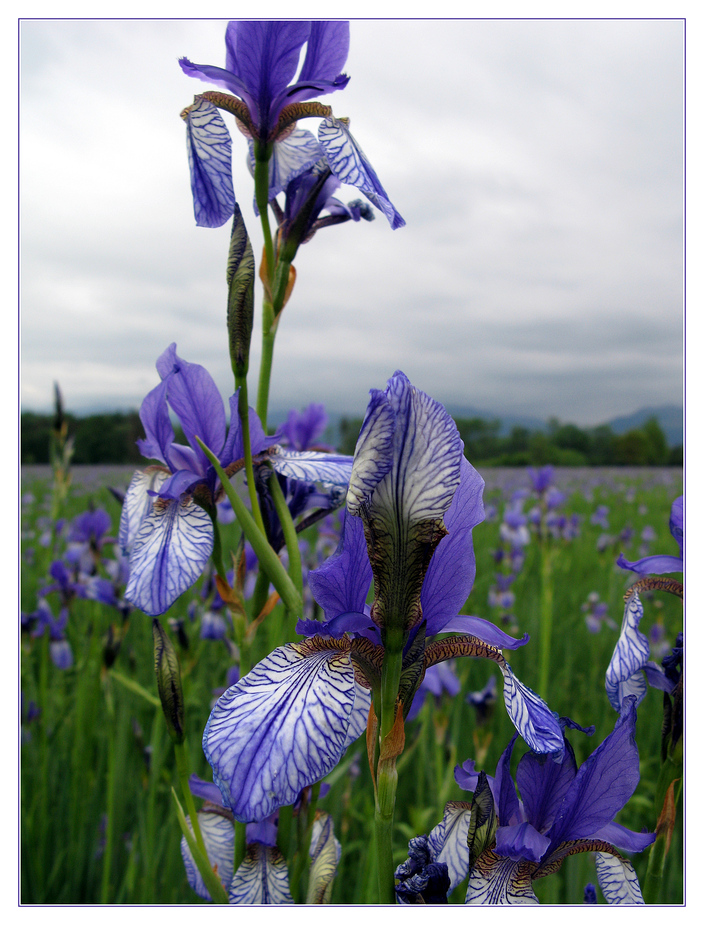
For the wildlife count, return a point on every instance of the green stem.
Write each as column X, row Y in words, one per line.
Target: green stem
column 268, row 560
column 136, row 688
column 240, row 843
column 182, row 766
column 295, row 569
column 243, row 409
column 110, row 794
column 387, row 775
column 266, row 362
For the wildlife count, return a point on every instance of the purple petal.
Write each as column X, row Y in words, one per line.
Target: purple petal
column 677, row 522
column 603, row 784
column 291, row 157
column 281, row 728
column 154, row 415
column 521, row 842
column 624, row 839
column 210, row 163
column 169, row 554
column 652, row 565
column 328, row 47
column 326, row 469
column 451, row 572
column 482, row 629
column 350, row 165
column 543, row 784
column 342, row 582
column 205, row 790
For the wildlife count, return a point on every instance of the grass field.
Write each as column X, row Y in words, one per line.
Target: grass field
column 97, row 766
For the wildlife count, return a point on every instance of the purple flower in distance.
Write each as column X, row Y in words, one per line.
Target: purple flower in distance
column 662, row 564
column 287, row 723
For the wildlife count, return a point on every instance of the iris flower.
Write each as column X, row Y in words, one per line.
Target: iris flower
column 261, row 61
column 504, row 841
column 630, row 668
column 412, row 502
column 262, row 877
column 167, row 519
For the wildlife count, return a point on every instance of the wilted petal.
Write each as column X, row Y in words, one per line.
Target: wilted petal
column 325, row 853
column 261, row 879
column 138, row 504
column 281, row 728
column 531, row 715
column 219, row 838
column 618, row 880
column 326, row 469
column 350, row 165
column 210, row 163
column 169, row 554
column 623, row 676
column 496, row 881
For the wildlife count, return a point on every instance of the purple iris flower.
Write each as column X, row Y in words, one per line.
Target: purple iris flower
column 166, row 526
column 262, row 877
column 661, row 565
column 562, row 810
column 287, row 723
column 301, row 430
column 624, row 676
column 262, row 58
column 59, row 646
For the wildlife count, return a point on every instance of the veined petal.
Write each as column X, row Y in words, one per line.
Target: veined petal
column 530, row 715
column 327, row 469
column 291, row 157
column 327, row 50
column 169, row 554
column 219, row 838
column 261, row 879
column 282, row 727
column 325, row 852
column 618, row 880
column 632, row 650
column 138, row 504
column 496, row 881
column 210, row 163
column 448, row 841
column 373, row 455
column 359, row 714
column 350, row 165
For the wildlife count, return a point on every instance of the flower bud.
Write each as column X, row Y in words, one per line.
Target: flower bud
column 168, row 680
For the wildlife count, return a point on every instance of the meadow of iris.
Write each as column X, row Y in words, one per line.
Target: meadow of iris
column 97, row 823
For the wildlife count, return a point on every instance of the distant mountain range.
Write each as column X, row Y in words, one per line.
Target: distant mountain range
column 670, row 418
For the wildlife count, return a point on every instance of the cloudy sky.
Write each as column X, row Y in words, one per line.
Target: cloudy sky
column 538, row 165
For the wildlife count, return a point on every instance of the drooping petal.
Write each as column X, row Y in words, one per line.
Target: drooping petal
column 291, row 157
column 138, row 504
column 282, row 727
column 531, row 715
column 448, row 841
column 652, row 565
column 327, row 469
column 624, row 839
column 169, row 554
column 359, row 714
column 477, row 626
column 496, row 881
column 603, row 784
column 219, row 838
column 623, row 676
column 451, row 572
column 325, row 852
column 210, row 163
column 618, row 880
column 261, row 879
column 350, row 165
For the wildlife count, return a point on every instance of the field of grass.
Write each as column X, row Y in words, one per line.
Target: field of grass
column 97, row 765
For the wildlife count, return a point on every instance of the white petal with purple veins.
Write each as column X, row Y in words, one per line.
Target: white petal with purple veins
column 138, row 504
column 261, row 879
column 281, row 728
column 326, row 469
column 618, row 880
column 632, row 650
column 359, row 715
column 169, row 554
column 531, row 715
column 219, row 838
column 496, row 881
column 325, row 852
column 210, row 161
column 449, row 841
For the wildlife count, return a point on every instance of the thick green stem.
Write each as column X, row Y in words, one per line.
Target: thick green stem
column 240, row 843
column 387, row 775
column 267, row 359
column 295, row 569
column 183, row 768
column 243, row 409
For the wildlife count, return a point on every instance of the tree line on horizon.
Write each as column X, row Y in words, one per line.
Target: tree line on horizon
column 111, row 439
